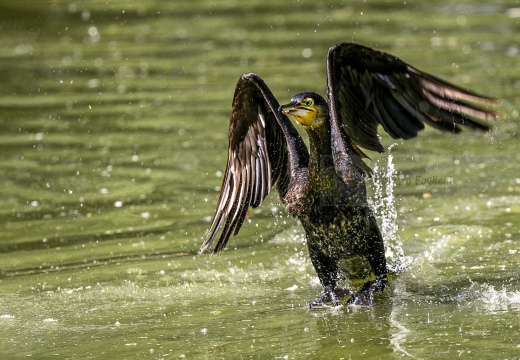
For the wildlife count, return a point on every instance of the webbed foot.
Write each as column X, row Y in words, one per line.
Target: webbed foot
column 330, row 295
column 365, row 296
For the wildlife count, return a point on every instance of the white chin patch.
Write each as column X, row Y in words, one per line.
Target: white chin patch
column 300, row 113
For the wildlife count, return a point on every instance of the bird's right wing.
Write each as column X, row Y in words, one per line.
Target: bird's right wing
column 367, row 88
column 264, row 149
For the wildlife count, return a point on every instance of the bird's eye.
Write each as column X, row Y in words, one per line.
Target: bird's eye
column 309, row 102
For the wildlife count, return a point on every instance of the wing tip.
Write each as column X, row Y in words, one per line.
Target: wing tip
column 249, row 76
column 205, row 245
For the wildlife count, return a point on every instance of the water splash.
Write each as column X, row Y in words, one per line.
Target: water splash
column 384, row 208
column 485, row 297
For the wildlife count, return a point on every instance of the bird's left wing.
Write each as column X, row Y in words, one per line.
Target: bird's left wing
column 367, row 88
column 264, row 148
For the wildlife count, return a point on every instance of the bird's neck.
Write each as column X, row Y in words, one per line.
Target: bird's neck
column 320, row 149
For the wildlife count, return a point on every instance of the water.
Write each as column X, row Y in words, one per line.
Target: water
column 383, row 203
column 113, row 142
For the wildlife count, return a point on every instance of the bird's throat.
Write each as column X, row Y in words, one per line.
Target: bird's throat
column 320, row 149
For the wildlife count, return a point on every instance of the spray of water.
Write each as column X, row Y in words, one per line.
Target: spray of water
column 384, row 208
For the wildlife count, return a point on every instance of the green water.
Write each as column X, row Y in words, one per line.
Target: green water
column 113, row 139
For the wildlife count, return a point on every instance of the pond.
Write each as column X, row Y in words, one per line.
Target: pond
column 113, row 143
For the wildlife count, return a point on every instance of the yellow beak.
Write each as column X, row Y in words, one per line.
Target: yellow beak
column 301, row 114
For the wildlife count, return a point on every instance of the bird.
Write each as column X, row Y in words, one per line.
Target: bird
column 324, row 186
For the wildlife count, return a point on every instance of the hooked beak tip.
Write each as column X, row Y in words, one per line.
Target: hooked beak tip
column 286, row 109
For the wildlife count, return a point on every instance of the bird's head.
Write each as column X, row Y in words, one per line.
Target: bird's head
column 308, row 109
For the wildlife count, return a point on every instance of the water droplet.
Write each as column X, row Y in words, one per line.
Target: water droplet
column 307, row 53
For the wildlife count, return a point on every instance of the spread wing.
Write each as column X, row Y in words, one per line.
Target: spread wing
column 264, row 148
column 367, row 88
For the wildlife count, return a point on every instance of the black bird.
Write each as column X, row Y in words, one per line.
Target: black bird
column 325, row 186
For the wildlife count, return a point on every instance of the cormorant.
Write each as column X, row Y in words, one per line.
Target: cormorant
column 325, row 186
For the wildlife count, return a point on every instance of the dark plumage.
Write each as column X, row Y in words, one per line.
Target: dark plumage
column 325, row 187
